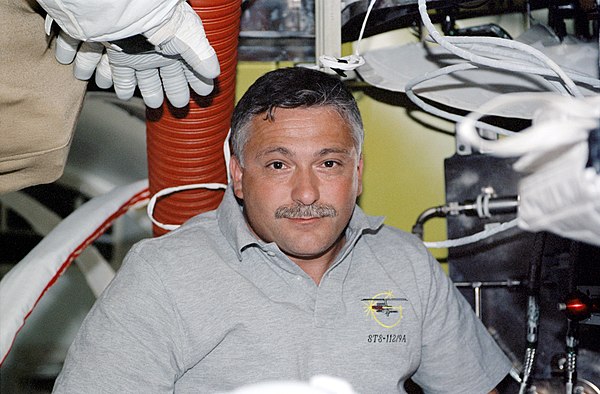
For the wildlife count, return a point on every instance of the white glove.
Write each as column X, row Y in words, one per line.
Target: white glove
column 151, row 72
column 86, row 55
column 181, row 56
column 183, row 35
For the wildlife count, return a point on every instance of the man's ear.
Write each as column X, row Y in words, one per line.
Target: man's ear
column 237, row 172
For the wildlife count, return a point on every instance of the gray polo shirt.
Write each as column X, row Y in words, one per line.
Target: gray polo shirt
column 208, row 308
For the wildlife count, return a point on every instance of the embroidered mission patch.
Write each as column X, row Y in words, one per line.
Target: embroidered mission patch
column 384, row 308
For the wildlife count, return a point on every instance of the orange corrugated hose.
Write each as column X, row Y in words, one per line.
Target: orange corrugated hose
column 185, row 145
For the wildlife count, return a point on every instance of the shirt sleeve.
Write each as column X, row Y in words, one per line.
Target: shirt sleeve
column 130, row 340
column 458, row 354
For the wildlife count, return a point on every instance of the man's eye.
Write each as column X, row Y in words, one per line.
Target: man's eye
column 330, row 163
column 276, row 165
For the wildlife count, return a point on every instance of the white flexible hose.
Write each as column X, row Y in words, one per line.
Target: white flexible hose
column 439, row 112
column 472, row 238
column 95, row 269
column 495, row 53
column 447, row 43
column 24, row 285
column 501, row 53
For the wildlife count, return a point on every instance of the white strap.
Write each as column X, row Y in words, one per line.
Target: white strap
column 353, row 61
column 175, row 189
column 48, row 24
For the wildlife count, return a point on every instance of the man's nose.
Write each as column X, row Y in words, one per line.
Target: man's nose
column 305, row 189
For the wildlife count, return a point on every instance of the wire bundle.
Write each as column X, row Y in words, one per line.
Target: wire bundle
column 496, row 53
column 565, row 119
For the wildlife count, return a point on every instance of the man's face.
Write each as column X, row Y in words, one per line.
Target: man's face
column 300, row 180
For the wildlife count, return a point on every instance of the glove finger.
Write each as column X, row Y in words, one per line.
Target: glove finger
column 124, row 80
column 190, row 42
column 66, row 48
column 208, row 67
column 87, row 59
column 175, row 84
column 202, row 86
column 150, row 87
column 103, row 73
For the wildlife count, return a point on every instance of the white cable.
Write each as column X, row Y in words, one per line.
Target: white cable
column 517, row 46
column 499, row 46
column 447, row 43
column 513, row 50
column 364, row 25
column 439, row 112
column 472, row 238
column 549, row 131
column 175, row 189
column 227, row 155
column 410, row 87
column 352, row 62
column 498, row 53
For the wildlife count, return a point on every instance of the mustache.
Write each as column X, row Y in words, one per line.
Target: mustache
column 305, row 211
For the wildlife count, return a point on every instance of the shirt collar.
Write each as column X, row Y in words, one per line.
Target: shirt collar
column 233, row 224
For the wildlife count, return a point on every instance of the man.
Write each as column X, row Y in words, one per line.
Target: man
column 288, row 278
